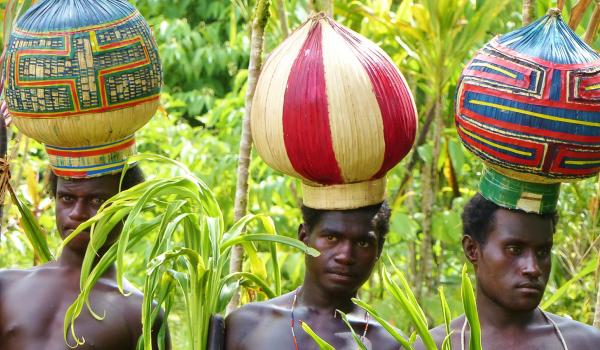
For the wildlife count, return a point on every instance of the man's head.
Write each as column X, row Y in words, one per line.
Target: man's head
column 77, row 200
column 510, row 251
column 350, row 242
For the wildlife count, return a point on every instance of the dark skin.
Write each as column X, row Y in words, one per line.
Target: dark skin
column 51, row 288
column 512, row 269
column 349, row 250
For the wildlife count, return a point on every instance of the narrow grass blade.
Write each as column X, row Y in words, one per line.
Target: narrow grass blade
column 468, row 297
column 323, row 345
column 385, row 324
column 357, row 340
column 447, row 345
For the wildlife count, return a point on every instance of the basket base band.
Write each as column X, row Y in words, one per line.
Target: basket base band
column 510, row 193
column 344, row 197
column 91, row 161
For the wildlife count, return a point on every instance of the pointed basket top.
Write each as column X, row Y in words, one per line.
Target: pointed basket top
column 550, row 39
column 57, row 15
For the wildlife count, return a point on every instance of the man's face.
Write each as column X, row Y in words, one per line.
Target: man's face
column 77, row 201
column 513, row 265
column 349, row 250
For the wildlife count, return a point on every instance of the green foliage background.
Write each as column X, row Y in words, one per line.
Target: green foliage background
column 204, row 47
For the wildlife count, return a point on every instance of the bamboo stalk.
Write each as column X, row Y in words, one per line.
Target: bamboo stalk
column 527, row 11
column 241, row 195
column 577, row 13
column 592, row 29
column 560, row 4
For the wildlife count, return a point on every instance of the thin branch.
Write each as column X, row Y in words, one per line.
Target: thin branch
column 241, row 194
column 527, row 11
column 577, row 13
column 592, row 29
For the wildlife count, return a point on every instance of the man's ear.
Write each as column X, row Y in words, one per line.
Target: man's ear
column 471, row 249
column 302, row 233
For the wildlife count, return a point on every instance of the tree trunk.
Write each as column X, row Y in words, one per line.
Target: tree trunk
column 241, row 194
column 592, row 29
column 527, row 11
column 281, row 13
column 429, row 184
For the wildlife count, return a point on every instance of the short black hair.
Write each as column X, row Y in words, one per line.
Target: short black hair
column 381, row 218
column 133, row 176
column 478, row 218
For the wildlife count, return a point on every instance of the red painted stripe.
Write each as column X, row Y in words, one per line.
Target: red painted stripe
column 65, row 173
column 306, row 128
column 393, row 97
column 558, row 136
column 78, row 154
column 494, row 43
column 497, row 77
column 535, row 162
column 526, row 71
column 525, row 99
column 120, row 43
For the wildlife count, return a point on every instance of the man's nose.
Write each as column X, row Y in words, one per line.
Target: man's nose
column 531, row 266
column 344, row 254
column 80, row 211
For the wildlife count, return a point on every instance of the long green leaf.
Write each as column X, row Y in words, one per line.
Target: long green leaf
column 323, row 345
column 468, row 297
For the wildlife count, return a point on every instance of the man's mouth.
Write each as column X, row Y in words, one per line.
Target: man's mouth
column 342, row 276
column 531, row 287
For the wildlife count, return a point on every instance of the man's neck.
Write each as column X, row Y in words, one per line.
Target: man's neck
column 73, row 260
column 495, row 315
column 310, row 295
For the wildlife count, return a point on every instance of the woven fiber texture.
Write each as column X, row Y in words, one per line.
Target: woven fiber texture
column 528, row 104
column 82, row 72
column 81, row 75
column 332, row 109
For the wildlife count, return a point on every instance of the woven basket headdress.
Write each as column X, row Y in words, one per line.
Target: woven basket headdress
column 332, row 109
column 82, row 76
column 528, row 105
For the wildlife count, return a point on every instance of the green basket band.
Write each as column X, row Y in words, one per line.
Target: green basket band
column 516, row 194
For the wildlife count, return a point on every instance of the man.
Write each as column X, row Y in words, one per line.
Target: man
column 33, row 302
column 511, row 254
column 350, row 243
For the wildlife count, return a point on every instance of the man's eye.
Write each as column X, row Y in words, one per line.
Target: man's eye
column 363, row 244
column 514, row 249
column 543, row 253
column 97, row 201
column 65, row 198
column 331, row 238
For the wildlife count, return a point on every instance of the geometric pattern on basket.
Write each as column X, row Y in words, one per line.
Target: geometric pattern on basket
column 86, row 70
column 530, row 115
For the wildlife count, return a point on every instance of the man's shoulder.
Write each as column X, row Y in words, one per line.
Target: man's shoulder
column 261, row 310
column 12, row 277
column 579, row 334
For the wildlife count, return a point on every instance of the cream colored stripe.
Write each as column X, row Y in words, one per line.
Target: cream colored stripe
column 355, row 118
column 267, row 106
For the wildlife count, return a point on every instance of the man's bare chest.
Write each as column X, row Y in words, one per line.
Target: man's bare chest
column 34, row 319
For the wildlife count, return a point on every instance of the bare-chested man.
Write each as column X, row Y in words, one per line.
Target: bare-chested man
column 33, row 302
column 511, row 253
column 350, row 242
